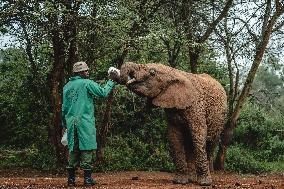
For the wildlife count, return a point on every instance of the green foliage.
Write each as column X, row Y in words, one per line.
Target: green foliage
column 22, row 111
column 132, row 153
column 242, row 160
column 209, row 65
column 13, row 67
column 138, row 140
column 259, row 130
column 268, row 79
column 23, row 114
column 268, row 89
column 258, row 142
column 33, row 157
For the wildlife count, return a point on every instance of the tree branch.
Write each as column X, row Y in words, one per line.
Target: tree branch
column 266, row 16
column 211, row 27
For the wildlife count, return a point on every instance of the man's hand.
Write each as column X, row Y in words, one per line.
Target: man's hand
column 113, row 75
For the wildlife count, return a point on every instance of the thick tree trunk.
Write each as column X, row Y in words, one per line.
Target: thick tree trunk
column 56, row 83
column 70, row 35
column 57, row 78
column 72, row 53
column 63, row 61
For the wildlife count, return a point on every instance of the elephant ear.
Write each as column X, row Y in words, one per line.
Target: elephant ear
column 178, row 94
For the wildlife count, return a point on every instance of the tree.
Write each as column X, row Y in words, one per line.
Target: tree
column 266, row 15
column 55, row 20
column 193, row 23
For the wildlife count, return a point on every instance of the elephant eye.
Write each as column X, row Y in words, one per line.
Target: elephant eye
column 152, row 72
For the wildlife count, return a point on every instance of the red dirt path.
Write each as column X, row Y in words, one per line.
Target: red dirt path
column 134, row 180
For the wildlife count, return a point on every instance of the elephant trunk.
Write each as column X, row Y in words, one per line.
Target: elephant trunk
column 126, row 76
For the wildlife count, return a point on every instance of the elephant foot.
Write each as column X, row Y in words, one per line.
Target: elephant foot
column 191, row 178
column 180, row 179
column 205, row 181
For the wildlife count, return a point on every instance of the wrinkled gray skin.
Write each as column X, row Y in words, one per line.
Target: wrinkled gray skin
column 195, row 107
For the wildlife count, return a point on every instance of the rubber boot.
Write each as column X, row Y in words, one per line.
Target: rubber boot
column 71, row 177
column 88, row 180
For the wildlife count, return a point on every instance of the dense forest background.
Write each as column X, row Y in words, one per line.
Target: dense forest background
column 240, row 43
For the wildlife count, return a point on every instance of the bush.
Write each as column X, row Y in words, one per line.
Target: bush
column 261, row 132
column 242, row 160
column 31, row 157
column 130, row 152
column 138, row 139
column 258, row 142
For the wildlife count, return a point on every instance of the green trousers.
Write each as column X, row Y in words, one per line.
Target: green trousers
column 77, row 157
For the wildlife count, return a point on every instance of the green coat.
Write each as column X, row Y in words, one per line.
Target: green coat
column 78, row 110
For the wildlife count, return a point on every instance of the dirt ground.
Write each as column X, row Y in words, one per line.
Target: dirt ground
column 133, row 180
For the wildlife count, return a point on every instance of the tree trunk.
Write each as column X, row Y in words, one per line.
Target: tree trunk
column 173, row 52
column 226, row 137
column 193, row 55
column 232, row 121
column 63, row 36
column 57, row 78
column 72, row 53
column 70, row 35
column 103, row 131
column 56, row 83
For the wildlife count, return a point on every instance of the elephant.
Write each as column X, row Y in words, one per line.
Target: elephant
column 195, row 108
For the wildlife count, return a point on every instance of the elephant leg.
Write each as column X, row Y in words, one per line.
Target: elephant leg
column 215, row 124
column 210, row 147
column 190, row 157
column 201, row 163
column 177, row 150
column 198, row 129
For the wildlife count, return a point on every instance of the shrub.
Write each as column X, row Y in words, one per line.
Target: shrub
column 261, row 132
column 28, row 158
column 132, row 153
column 242, row 160
column 258, row 142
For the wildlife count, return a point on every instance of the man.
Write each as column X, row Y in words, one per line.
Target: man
column 78, row 118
